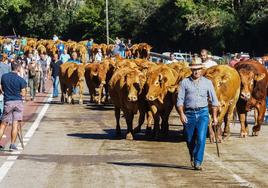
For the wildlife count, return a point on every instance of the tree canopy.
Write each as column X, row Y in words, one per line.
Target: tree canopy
column 186, row 25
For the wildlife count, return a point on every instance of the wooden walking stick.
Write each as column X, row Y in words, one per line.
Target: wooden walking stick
column 20, row 134
column 216, row 136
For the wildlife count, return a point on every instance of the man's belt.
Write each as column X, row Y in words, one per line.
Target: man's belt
column 195, row 109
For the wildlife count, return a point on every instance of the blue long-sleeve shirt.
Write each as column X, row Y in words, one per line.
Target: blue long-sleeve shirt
column 195, row 94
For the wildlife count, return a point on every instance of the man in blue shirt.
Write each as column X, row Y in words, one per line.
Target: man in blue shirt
column 192, row 102
column 89, row 46
column 4, row 68
column 14, row 88
column 55, row 71
column 60, row 48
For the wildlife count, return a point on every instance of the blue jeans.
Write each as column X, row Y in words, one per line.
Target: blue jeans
column 195, row 132
column 55, row 86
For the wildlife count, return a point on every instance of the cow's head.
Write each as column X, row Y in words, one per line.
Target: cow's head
column 249, row 77
column 81, row 72
column 134, row 82
column 159, row 83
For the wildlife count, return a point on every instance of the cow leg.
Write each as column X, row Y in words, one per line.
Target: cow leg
column 129, row 121
column 81, row 89
column 117, row 117
column 141, row 121
column 156, row 125
column 149, row 116
column 259, row 114
column 244, row 125
column 63, row 93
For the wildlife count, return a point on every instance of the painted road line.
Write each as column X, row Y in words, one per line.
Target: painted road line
column 242, row 182
column 11, row 159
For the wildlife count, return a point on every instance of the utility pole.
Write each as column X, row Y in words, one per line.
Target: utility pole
column 107, row 23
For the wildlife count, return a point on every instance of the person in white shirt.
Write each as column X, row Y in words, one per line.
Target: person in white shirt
column 55, row 38
column 172, row 59
column 207, row 62
column 65, row 56
column 98, row 56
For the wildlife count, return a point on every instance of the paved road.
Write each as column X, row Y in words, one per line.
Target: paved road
column 74, row 146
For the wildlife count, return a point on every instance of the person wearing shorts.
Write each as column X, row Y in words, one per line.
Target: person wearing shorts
column 14, row 88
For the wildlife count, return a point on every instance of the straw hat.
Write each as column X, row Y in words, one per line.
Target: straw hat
column 196, row 63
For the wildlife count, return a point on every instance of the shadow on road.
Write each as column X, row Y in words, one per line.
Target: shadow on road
column 157, row 165
column 99, row 107
column 174, row 136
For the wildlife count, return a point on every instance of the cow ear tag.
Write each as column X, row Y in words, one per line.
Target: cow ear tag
column 259, row 77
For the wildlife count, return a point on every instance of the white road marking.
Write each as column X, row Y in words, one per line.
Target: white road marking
column 242, row 182
column 11, row 159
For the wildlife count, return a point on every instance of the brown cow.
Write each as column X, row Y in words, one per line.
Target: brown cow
column 226, row 82
column 254, row 78
column 144, row 50
column 126, row 91
column 95, row 75
column 160, row 85
column 71, row 76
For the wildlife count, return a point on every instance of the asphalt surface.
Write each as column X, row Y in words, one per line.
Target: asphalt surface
column 75, row 146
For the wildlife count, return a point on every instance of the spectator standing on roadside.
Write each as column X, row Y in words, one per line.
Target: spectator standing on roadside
column 207, row 62
column 23, row 42
column 172, row 59
column 16, row 48
column 60, row 48
column 65, row 56
column 122, row 48
column 14, row 88
column 74, row 58
column 98, row 56
column 4, row 68
column 44, row 72
column 55, row 71
column 89, row 46
column 33, row 71
column 117, row 41
column 128, row 51
column 235, row 60
column 55, row 38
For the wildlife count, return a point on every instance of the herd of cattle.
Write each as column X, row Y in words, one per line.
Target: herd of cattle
column 49, row 47
column 138, row 85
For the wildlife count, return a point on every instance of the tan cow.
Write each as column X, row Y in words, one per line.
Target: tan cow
column 41, row 49
column 161, row 84
column 254, row 85
column 95, row 75
column 71, row 76
column 127, row 94
column 144, row 50
column 226, row 82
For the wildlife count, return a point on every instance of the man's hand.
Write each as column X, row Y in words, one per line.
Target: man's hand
column 215, row 121
column 183, row 118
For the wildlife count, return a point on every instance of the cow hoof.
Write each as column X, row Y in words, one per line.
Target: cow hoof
column 129, row 136
column 118, row 134
column 148, row 131
column 137, row 130
column 255, row 133
column 226, row 137
column 243, row 134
